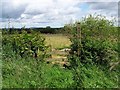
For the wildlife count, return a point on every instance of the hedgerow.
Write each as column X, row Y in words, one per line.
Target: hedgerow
column 91, row 45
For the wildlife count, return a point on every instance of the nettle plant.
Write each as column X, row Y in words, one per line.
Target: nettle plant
column 27, row 45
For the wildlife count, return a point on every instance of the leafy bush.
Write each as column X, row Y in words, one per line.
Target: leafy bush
column 95, row 51
column 26, row 44
column 89, row 42
column 91, row 45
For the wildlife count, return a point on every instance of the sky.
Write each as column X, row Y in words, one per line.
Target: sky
column 53, row 13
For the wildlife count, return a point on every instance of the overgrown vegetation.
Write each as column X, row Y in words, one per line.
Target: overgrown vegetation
column 92, row 47
column 29, row 69
column 93, row 57
column 27, row 73
column 26, row 44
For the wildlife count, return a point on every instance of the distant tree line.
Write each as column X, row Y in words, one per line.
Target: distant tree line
column 46, row 30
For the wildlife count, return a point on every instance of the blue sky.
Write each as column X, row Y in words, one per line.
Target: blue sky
column 54, row 13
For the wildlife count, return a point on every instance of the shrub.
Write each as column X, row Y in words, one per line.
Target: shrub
column 26, row 44
column 91, row 45
column 89, row 42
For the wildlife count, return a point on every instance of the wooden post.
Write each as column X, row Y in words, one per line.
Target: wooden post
column 78, row 38
column 50, row 51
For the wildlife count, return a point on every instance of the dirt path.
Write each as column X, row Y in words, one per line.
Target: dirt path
column 59, row 57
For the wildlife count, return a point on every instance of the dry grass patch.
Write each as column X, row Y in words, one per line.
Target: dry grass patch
column 57, row 41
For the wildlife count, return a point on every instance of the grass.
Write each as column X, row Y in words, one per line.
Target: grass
column 57, row 41
column 28, row 73
column 56, row 77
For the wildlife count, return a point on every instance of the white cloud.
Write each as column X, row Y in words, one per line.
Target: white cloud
column 108, row 9
column 52, row 12
column 99, row 1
